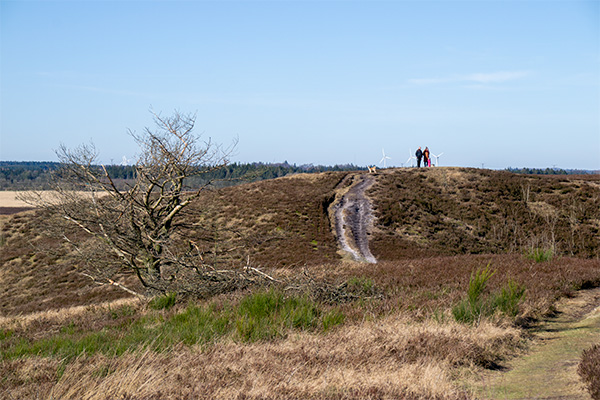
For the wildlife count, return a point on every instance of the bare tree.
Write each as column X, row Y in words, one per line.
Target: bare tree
column 137, row 226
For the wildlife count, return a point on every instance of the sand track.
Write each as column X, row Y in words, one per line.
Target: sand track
column 353, row 219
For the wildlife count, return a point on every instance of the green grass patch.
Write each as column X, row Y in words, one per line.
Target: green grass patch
column 267, row 315
column 261, row 316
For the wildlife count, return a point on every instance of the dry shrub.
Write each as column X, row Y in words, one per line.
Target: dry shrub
column 589, row 370
column 385, row 359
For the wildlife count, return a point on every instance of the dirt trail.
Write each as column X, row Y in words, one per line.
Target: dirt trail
column 549, row 370
column 353, row 219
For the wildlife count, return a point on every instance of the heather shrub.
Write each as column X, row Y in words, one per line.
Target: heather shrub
column 589, row 370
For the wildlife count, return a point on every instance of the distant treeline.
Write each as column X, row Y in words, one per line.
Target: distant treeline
column 550, row 171
column 26, row 175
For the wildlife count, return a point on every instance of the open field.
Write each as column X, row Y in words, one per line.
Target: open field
column 12, row 201
column 397, row 336
column 9, row 199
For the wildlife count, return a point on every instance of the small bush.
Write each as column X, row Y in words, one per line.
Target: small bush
column 589, row 370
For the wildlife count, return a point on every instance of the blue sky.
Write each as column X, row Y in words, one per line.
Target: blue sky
column 488, row 83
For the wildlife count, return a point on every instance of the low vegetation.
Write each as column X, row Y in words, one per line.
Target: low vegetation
column 452, row 295
column 260, row 316
column 540, row 255
column 589, row 370
column 477, row 305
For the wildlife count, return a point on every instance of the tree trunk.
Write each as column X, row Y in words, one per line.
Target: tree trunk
column 153, row 268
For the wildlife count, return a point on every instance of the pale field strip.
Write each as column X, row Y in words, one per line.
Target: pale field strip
column 12, row 198
column 9, row 199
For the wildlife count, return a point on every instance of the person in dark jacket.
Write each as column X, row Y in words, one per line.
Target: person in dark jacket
column 419, row 155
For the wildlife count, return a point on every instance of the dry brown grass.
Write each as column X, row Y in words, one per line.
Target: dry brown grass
column 384, row 359
column 62, row 316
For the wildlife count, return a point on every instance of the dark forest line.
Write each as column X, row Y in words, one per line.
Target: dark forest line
column 27, row 175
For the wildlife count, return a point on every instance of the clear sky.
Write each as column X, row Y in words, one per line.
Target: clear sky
column 488, row 83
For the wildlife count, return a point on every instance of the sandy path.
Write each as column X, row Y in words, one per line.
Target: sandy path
column 353, row 218
column 549, row 370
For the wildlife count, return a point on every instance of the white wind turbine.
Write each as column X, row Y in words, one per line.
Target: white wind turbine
column 384, row 158
column 410, row 157
column 437, row 159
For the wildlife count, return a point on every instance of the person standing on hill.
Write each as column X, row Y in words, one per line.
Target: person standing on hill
column 419, row 155
column 426, row 159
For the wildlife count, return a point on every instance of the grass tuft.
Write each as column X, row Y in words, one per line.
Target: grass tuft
column 540, row 255
column 362, row 286
column 267, row 315
column 476, row 305
column 509, row 298
column 163, row 302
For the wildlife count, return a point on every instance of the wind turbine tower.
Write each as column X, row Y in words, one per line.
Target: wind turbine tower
column 410, row 157
column 384, row 159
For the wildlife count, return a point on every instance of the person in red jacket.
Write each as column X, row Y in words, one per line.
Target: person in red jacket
column 426, row 159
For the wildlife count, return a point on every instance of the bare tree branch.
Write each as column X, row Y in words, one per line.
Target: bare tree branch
column 137, row 225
